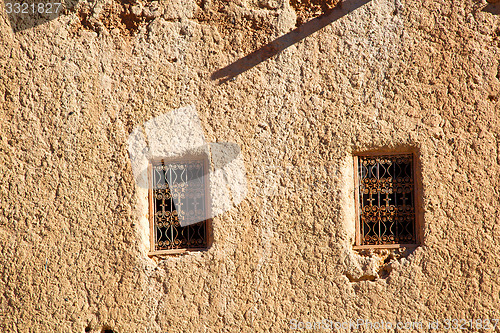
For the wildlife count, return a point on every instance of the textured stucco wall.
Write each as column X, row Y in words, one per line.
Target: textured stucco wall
column 389, row 73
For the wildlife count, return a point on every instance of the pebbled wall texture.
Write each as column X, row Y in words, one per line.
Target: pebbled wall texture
column 299, row 96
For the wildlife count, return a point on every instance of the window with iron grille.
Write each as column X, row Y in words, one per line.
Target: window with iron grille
column 386, row 201
column 178, row 192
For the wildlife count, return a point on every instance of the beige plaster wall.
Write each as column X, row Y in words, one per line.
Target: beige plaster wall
column 388, row 73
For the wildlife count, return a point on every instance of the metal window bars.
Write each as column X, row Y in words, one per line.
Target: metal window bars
column 386, row 194
column 173, row 200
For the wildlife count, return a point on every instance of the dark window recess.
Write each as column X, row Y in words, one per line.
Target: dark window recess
column 386, row 200
column 183, row 183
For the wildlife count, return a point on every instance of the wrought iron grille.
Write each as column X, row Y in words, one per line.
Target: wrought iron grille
column 386, row 200
column 183, row 183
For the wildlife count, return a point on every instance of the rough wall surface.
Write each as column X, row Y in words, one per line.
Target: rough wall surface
column 385, row 73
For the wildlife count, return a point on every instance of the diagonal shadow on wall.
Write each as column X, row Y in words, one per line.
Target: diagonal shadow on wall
column 493, row 8
column 281, row 43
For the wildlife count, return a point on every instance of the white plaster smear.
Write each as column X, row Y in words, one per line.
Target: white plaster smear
column 178, row 135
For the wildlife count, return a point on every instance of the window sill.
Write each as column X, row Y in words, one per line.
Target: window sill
column 385, row 246
column 175, row 251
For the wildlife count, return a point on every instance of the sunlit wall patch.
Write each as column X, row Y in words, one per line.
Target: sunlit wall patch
column 188, row 180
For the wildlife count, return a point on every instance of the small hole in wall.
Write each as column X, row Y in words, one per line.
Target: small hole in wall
column 107, row 329
column 87, row 329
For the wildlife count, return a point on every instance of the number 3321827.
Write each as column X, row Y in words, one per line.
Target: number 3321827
column 32, row 8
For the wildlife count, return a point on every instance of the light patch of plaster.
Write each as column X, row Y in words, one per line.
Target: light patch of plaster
column 348, row 213
column 179, row 135
column 137, row 152
column 357, row 267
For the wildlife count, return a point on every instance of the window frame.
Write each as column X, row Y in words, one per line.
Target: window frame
column 208, row 221
column 417, row 192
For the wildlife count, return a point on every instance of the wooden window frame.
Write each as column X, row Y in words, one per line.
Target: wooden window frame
column 417, row 189
column 208, row 221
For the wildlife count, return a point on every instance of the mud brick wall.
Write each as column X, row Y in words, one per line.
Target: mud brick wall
column 299, row 87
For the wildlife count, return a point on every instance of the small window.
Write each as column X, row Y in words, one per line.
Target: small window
column 179, row 193
column 386, row 201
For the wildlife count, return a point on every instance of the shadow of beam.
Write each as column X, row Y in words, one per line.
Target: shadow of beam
column 493, row 8
column 283, row 42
